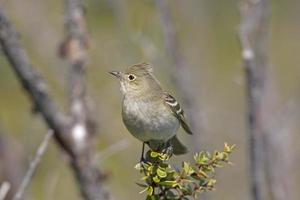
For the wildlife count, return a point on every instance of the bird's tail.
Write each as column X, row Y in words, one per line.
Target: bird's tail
column 178, row 147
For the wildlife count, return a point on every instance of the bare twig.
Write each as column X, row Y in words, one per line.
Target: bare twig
column 253, row 37
column 4, row 189
column 32, row 82
column 33, row 166
column 180, row 75
column 111, row 150
column 74, row 49
column 71, row 132
column 279, row 151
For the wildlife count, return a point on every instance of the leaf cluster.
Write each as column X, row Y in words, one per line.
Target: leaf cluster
column 163, row 182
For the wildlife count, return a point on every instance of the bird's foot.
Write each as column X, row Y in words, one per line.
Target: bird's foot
column 168, row 151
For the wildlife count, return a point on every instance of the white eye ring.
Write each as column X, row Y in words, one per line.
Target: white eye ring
column 131, row 77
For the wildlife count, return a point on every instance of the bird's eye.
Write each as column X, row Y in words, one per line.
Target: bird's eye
column 131, row 77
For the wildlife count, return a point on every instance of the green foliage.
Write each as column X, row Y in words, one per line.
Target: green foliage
column 162, row 182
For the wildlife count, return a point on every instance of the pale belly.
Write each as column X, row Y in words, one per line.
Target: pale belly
column 149, row 122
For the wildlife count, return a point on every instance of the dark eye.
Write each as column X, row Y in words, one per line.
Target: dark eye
column 131, row 77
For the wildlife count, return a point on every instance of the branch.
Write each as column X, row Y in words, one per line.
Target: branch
column 73, row 50
column 279, row 149
column 161, row 181
column 253, row 38
column 112, row 150
column 66, row 131
column 32, row 82
column 33, row 166
column 180, row 75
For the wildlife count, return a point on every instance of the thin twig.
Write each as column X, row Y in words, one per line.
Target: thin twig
column 67, row 128
column 181, row 74
column 32, row 82
column 74, row 51
column 253, row 38
column 112, row 150
column 4, row 189
column 278, row 151
column 33, row 166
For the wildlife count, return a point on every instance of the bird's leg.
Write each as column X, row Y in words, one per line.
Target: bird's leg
column 168, row 148
column 142, row 160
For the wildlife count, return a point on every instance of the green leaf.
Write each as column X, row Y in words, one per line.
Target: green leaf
column 172, row 175
column 154, row 154
column 142, row 185
column 149, row 197
column 168, row 183
column 211, row 182
column 161, row 172
column 201, row 158
column 188, row 170
column 202, row 173
column 163, row 157
column 186, row 167
column 170, row 195
column 150, row 190
column 156, row 179
column 219, row 155
column 228, row 148
column 149, row 170
column 218, row 165
column 184, row 183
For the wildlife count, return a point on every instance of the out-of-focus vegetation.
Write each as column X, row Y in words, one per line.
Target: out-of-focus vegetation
column 126, row 32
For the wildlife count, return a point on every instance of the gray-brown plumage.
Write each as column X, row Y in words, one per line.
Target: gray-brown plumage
column 149, row 113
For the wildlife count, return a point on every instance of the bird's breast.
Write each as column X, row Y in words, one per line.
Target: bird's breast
column 149, row 120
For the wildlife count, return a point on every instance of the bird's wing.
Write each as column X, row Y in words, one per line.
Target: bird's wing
column 177, row 111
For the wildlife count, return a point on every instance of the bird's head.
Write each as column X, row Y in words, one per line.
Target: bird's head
column 137, row 80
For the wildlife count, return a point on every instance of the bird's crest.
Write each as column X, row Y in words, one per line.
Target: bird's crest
column 140, row 69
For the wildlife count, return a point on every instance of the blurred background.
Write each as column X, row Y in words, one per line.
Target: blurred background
column 126, row 32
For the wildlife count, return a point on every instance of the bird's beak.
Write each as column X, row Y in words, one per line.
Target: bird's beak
column 116, row 74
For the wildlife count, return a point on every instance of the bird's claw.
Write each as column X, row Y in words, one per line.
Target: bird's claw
column 168, row 151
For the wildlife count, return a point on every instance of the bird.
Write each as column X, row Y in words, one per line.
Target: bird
column 150, row 114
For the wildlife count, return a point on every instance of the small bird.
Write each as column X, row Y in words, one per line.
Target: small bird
column 149, row 113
